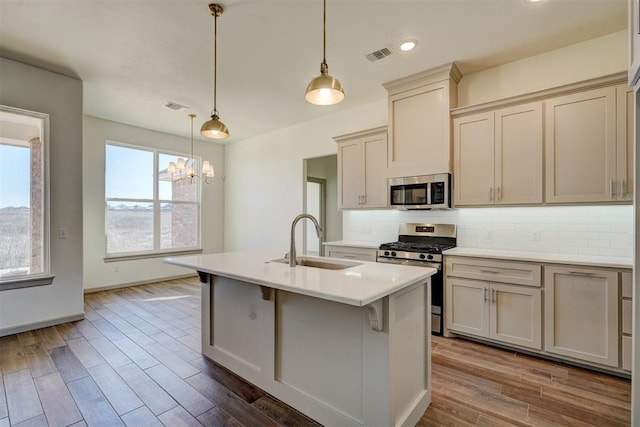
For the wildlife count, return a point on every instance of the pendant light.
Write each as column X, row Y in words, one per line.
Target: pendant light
column 324, row 89
column 214, row 128
column 187, row 169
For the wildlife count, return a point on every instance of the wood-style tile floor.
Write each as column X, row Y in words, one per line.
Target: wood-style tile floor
column 135, row 361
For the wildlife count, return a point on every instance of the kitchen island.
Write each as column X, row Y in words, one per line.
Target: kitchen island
column 346, row 343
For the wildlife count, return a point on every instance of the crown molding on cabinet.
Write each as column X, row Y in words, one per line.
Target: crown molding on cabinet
column 608, row 80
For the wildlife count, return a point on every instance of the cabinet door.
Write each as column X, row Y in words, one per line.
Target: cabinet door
column 516, row 315
column 467, row 308
column 473, row 165
column 375, row 171
column 624, row 164
column 518, row 154
column 349, row 175
column 581, row 147
column 581, row 314
column 419, row 131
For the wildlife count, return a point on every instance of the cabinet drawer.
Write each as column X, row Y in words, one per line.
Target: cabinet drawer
column 626, row 353
column 494, row 271
column 348, row 252
column 627, row 309
column 627, row 288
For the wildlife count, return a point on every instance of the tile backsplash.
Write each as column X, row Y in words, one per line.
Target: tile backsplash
column 581, row 230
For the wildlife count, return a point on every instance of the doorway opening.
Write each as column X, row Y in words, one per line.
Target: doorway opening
column 321, row 200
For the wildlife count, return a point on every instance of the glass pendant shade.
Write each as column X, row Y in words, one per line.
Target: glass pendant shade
column 214, row 128
column 324, row 89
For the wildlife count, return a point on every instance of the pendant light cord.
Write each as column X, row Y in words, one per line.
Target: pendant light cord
column 324, row 31
column 215, row 59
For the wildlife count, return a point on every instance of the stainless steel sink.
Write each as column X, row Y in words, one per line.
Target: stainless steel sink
column 319, row 263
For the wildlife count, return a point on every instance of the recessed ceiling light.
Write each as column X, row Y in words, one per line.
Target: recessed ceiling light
column 532, row 1
column 408, row 45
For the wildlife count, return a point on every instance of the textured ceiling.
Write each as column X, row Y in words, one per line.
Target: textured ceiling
column 133, row 55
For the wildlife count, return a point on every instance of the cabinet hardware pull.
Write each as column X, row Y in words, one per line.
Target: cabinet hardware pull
column 489, row 271
column 498, row 193
column 612, row 188
column 348, row 256
column 581, row 273
column 624, row 187
column 491, row 194
column 364, row 199
column 484, row 294
column 493, row 296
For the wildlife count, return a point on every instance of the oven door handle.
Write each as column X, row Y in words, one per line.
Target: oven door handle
column 410, row 262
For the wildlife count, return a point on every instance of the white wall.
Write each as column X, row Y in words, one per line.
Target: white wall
column 264, row 184
column 273, row 162
column 34, row 89
column 99, row 274
column 582, row 61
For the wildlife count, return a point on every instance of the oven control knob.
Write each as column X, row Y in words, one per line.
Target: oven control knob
column 386, row 253
column 422, row 256
column 429, row 256
column 393, row 254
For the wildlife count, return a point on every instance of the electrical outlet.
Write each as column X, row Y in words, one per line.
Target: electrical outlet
column 535, row 236
column 489, row 235
column 63, row 233
column 116, row 269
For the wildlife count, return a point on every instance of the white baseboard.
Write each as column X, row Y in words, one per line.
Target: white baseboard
column 139, row 282
column 38, row 325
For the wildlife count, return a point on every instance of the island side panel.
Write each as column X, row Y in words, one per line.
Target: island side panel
column 410, row 353
column 319, row 354
column 238, row 328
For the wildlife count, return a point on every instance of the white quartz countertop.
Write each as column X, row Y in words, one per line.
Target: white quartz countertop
column 353, row 244
column 587, row 260
column 360, row 285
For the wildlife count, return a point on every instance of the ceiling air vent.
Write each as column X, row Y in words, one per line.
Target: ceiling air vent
column 175, row 106
column 379, row 54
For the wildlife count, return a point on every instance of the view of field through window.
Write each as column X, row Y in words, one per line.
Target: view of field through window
column 21, row 194
column 137, row 219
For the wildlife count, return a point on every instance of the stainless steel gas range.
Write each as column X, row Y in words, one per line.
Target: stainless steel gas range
column 422, row 245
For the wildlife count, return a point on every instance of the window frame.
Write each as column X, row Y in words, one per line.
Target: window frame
column 157, row 251
column 44, row 277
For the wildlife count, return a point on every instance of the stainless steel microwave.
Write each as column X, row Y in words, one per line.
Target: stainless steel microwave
column 420, row 192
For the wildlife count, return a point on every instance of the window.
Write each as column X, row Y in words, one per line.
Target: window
column 24, row 210
column 148, row 210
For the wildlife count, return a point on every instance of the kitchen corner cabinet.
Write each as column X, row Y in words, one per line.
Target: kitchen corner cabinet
column 581, row 314
column 420, row 121
column 503, row 312
column 498, row 156
column 362, row 165
column 627, row 320
column 588, row 137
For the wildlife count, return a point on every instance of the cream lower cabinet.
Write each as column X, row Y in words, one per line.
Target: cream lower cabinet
column 507, row 313
column 581, row 314
column 627, row 320
column 362, row 168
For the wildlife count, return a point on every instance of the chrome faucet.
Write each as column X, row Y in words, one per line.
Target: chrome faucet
column 292, row 249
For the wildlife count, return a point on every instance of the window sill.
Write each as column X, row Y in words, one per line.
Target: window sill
column 26, row 282
column 116, row 258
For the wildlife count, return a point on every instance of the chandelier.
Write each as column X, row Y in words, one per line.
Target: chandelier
column 186, row 169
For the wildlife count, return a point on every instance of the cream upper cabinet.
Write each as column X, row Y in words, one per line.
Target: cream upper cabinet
column 624, row 147
column 581, row 314
column 498, row 156
column 362, row 163
column 420, row 122
column 581, row 147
